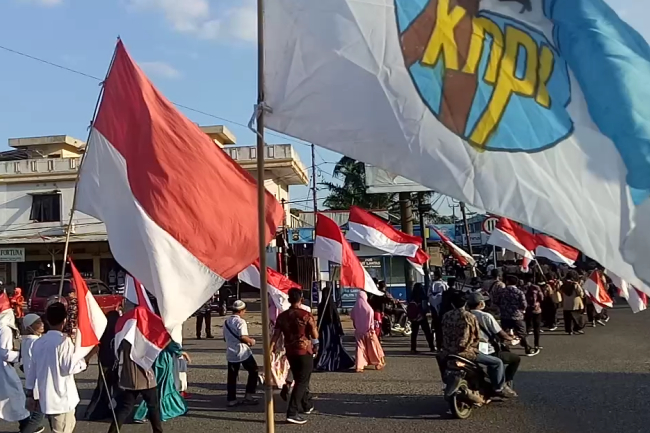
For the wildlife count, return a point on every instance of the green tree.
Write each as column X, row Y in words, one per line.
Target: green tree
column 352, row 192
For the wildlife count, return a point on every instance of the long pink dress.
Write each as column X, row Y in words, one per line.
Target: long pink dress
column 369, row 351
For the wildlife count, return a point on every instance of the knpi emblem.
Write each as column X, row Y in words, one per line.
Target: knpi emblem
column 491, row 79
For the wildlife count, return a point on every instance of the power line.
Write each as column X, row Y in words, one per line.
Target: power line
column 185, row 107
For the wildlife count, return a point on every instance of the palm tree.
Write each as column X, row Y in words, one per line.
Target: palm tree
column 353, row 192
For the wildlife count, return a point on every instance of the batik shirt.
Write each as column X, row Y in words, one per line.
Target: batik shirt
column 460, row 334
column 511, row 302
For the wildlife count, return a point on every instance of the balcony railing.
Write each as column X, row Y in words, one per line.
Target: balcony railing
column 41, row 165
column 249, row 153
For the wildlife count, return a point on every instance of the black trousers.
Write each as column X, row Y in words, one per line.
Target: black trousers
column 573, row 321
column 549, row 313
column 207, row 318
column 301, row 368
column 593, row 315
column 250, row 365
column 511, row 361
column 415, row 330
column 519, row 328
column 126, row 402
column 534, row 323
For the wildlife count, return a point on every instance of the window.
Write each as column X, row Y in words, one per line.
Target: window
column 46, row 207
column 47, row 289
column 97, row 288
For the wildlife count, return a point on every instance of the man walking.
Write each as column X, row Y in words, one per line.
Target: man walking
column 239, row 354
column 300, row 333
column 437, row 288
column 50, row 375
column 512, row 305
column 135, row 381
column 204, row 315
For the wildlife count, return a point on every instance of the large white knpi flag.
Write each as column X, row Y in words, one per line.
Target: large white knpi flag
column 536, row 110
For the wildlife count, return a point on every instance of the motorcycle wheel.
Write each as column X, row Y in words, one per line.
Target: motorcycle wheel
column 407, row 330
column 460, row 409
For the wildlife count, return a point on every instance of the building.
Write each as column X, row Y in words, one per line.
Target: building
column 37, row 180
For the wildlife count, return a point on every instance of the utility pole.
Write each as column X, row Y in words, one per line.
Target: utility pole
column 285, row 241
column 422, row 208
column 467, row 236
column 315, row 203
column 313, row 179
column 406, row 216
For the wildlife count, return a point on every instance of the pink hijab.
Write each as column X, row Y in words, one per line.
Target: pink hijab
column 362, row 315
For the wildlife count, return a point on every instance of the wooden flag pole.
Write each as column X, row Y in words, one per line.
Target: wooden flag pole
column 68, row 230
column 261, row 215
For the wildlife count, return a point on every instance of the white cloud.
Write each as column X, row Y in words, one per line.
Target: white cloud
column 242, row 23
column 203, row 19
column 47, row 3
column 160, row 69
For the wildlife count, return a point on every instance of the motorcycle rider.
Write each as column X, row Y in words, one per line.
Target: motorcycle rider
column 460, row 330
column 492, row 335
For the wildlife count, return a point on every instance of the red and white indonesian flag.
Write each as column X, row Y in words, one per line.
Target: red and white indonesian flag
column 368, row 229
column 595, row 288
column 637, row 300
column 179, row 212
column 143, row 328
column 91, row 321
column 513, row 237
column 133, row 290
column 419, row 260
column 278, row 284
column 330, row 244
column 457, row 252
column 555, row 250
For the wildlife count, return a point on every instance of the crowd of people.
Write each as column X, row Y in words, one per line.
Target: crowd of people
column 480, row 321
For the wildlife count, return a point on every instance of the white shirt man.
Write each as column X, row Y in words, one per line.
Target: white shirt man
column 236, row 351
column 239, row 355
column 52, row 371
column 12, row 397
column 438, row 286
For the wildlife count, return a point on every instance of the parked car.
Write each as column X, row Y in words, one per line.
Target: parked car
column 46, row 288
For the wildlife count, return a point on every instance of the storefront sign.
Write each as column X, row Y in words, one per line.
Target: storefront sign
column 10, row 255
column 370, row 262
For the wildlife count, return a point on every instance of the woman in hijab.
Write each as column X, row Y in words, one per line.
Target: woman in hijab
column 332, row 356
column 172, row 404
column 369, row 351
column 100, row 404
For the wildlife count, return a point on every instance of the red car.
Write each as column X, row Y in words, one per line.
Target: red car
column 45, row 288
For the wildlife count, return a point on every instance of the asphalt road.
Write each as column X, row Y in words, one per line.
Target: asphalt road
column 595, row 383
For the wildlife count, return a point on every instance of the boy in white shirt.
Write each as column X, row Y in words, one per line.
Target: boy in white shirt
column 33, row 329
column 51, row 373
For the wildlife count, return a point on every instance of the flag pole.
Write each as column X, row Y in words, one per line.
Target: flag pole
column 68, row 230
column 261, row 215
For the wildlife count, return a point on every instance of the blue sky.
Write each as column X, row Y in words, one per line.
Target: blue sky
column 200, row 53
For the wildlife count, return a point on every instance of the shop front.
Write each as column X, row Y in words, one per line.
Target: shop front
column 21, row 263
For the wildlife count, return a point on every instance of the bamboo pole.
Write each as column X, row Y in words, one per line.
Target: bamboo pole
column 261, row 213
column 76, row 182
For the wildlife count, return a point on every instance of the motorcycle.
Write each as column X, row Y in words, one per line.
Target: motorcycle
column 402, row 326
column 466, row 386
